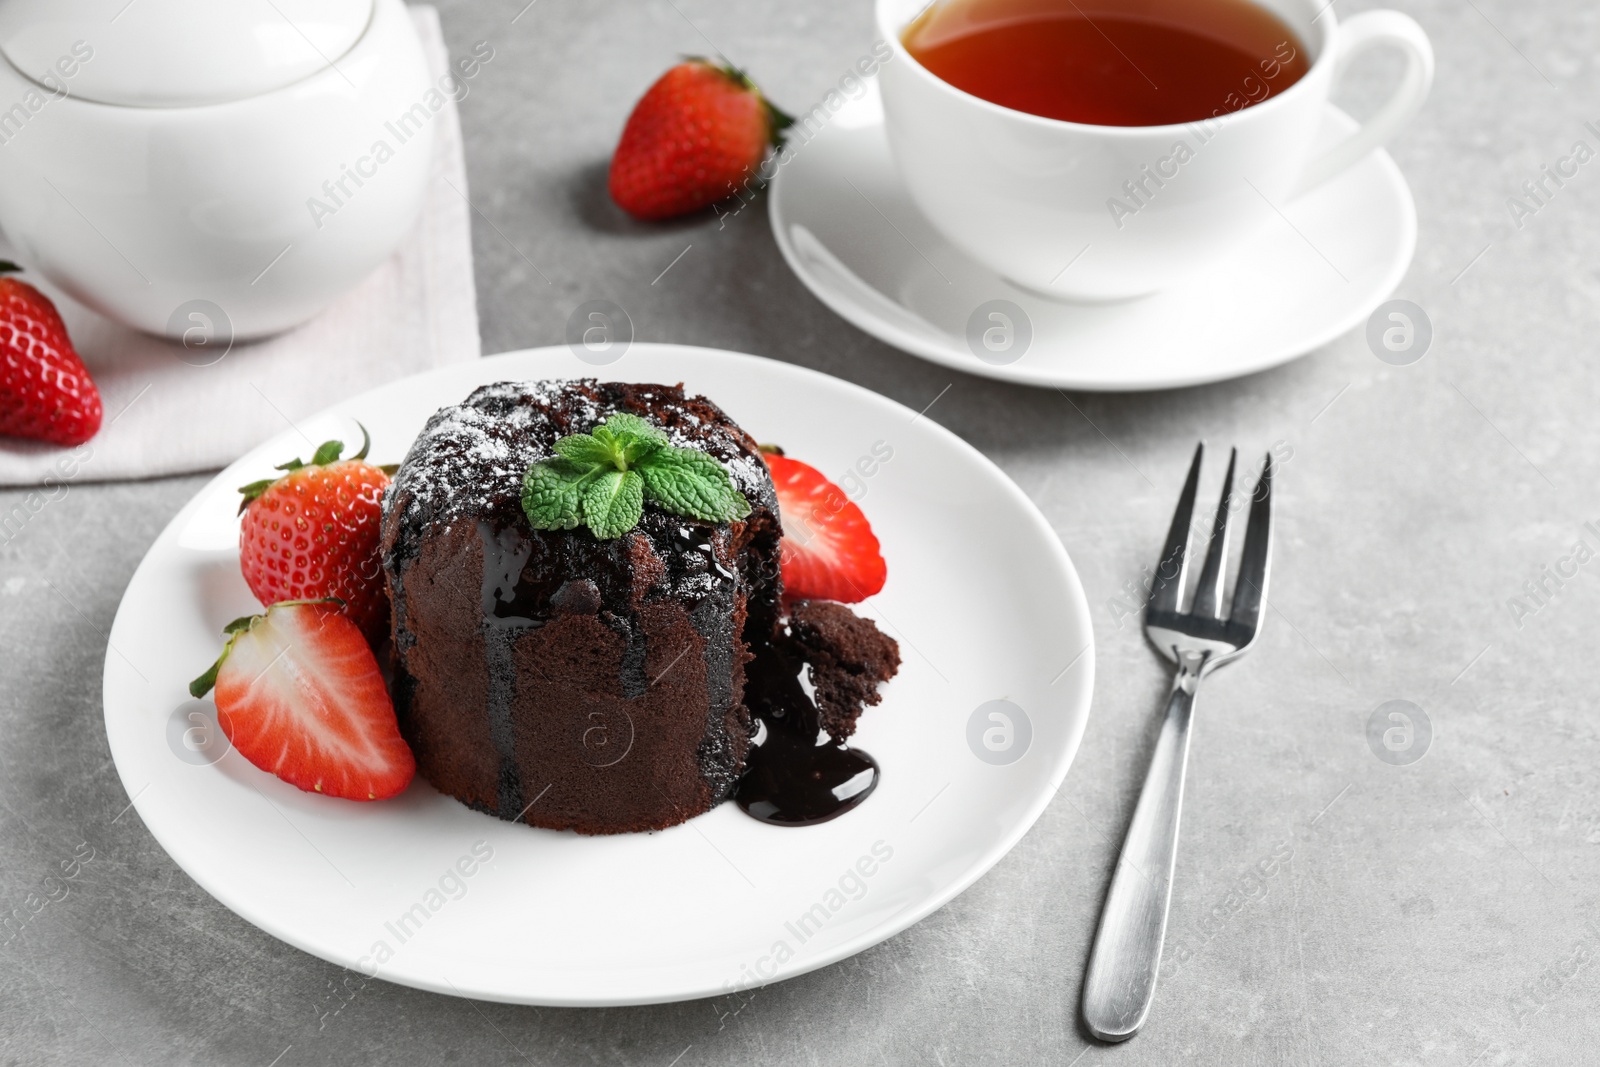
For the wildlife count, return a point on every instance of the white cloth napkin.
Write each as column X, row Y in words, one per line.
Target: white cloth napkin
column 165, row 416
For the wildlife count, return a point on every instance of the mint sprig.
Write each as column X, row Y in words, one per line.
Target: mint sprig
column 603, row 478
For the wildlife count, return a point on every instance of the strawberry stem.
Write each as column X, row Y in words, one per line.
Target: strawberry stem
column 203, row 684
column 780, row 120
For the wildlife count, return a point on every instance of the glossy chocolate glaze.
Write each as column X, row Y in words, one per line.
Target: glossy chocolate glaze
column 795, row 774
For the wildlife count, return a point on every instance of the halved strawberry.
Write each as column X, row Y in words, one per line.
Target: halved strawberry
column 829, row 551
column 299, row 695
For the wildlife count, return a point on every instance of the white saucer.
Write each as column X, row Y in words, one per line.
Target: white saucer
column 981, row 596
column 1310, row 275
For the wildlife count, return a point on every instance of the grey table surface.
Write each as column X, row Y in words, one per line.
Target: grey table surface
column 1330, row 906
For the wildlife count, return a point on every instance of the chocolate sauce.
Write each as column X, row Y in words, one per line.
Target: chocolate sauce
column 795, row 775
column 504, row 555
column 695, row 552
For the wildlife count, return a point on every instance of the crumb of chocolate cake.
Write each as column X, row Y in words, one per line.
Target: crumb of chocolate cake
column 849, row 657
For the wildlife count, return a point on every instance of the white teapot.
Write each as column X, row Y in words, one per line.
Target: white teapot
column 254, row 157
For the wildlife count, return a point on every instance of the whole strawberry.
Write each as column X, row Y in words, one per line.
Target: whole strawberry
column 694, row 138
column 313, row 533
column 45, row 391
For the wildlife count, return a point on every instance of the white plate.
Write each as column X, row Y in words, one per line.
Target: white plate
column 848, row 228
column 981, row 595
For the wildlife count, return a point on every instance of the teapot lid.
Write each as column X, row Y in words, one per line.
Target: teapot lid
column 176, row 53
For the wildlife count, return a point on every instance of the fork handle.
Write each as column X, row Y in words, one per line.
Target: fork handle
column 1121, row 981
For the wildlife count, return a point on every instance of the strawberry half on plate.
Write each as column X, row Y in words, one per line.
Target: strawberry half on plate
column 299, row 694
column 829, row 551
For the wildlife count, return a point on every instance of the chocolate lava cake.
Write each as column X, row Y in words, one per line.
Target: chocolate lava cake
column 575, row 682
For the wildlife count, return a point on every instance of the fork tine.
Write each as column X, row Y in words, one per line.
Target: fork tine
column 1250, row 591
column 1208, row 594
column 1167, row 591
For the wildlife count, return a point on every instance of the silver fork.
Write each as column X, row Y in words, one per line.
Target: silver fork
column 1121, row 980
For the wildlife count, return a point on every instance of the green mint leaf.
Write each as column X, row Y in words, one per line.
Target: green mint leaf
column 617, row 444
column 586, row 451
column 629, row 438
column 634, row 438
column 613, row 503
column 686, row 481
column 623, row 424
column 552, row 493
column 636, row 450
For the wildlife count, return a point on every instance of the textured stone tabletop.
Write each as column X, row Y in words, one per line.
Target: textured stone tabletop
column 1331, row 907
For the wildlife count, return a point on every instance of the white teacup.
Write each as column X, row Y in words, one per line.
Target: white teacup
column 1048, row 204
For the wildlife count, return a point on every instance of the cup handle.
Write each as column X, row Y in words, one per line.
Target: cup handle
column 1372, row 29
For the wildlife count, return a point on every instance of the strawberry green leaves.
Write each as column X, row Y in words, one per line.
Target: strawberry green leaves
column 603, row 478
column 326, row 453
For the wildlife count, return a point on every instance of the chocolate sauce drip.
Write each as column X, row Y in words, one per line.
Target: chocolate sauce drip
column 504, row 556
column 709, row 592
column 698, row 551
column 631, row 672
column 795, row 775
